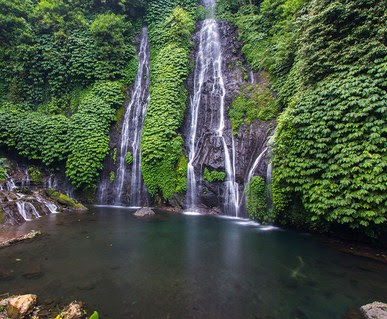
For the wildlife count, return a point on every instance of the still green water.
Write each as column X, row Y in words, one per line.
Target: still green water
column 178, row 266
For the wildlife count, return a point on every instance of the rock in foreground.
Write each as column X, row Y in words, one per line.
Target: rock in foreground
column 73, row 311
column 375, row 310
column 20, row 306
column 144, row 212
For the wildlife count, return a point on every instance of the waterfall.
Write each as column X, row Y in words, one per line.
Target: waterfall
column 52, row 181
column 10, row 184
column 268, row 183
column 252, row 171
column 25, row 181
column 252, row 77
column 27, row 210
column 131, row 130
column 208, row 68
column 254, row 166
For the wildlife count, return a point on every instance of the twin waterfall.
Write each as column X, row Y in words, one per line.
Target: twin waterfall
column 208, row 126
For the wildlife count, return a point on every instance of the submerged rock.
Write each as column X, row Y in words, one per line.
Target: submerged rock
column 375, row 310
column 73, row 311
column 144, row 212
column 20, row 306
column 32, row 234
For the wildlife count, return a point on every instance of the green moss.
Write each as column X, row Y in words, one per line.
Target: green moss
column 120, row 113
column 213, row 176
column 35, row 174
column 112, row 177
column 63, row 199
column 181, row 174
column 256, row 102
column 129, row 158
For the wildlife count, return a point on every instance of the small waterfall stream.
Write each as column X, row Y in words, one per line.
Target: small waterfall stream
column 26, row 180
column 269, row 185
column 254, row 166
column 131, row 131
column 208, row 68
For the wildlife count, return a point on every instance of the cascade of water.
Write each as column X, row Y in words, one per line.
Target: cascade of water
column 26, row 179
column 252, row 171
column 132, row 128
column 10, row 184
column 52, row 181
column 27, row 210
column 268, row 183
column 50, row 206
column 252, row 77
column 254, row 166
column 209, row 62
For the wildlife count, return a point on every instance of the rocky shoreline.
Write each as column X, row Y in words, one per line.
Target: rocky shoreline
column 28, row 306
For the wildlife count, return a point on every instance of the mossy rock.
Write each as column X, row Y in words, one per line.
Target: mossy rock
column 65, row 200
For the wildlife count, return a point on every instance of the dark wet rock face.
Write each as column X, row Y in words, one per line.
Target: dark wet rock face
column 248, row 143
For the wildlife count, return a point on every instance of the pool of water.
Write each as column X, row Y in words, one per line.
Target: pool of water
column 179, row 266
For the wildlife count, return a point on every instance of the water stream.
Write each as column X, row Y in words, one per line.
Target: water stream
column 208, row 68
column 132, row 128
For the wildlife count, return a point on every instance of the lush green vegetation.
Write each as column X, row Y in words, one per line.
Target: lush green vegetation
column 63, row 67
column 333, row 134
column 327, row 63
column 256, row 200
column 213, row 175
column 161, row 143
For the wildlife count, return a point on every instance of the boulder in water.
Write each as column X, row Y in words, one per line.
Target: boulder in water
column 19, row 307
column 144, row 212
column 375, row 310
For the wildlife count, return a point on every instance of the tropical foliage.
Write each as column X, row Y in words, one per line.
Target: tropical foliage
column 63, row 68
column 327, row 65
column 161, row 143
